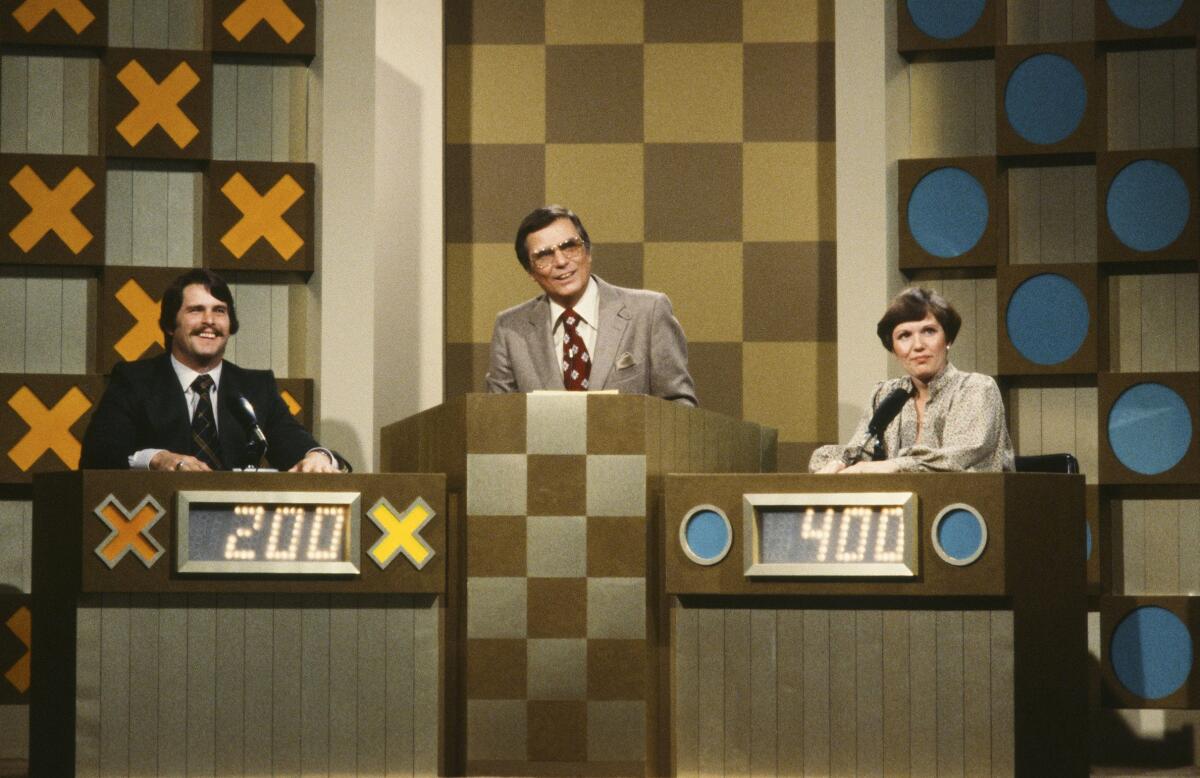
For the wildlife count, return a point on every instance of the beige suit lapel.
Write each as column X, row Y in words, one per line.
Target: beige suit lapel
column 614, row 319
column 541, row 345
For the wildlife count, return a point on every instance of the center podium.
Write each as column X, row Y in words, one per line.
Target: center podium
column 557, row 638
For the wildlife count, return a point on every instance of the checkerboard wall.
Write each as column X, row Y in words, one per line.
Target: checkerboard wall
column 696, row 142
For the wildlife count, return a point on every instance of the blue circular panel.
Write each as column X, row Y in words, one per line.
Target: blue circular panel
column 1149, row 428
column 1145, row 14
column 947, row 212
column 1151, row 652
column 707, row 535
column 1148, row 205
column 960, row 534
column 1045, row 99
column 1047, row 319
column 945, row 19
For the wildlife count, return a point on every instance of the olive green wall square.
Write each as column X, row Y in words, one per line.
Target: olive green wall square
column 616, row 730
column 496, row 484
column 556, row 423
column 616, row 546
column 686, row 21
column 557, row 731
column 594, row 21
column 496, row 729
column 557, row 485
column 789, row 92
column 616, row 607
column 717, row 370
column 483, row 279
column 704, row 282
column 496, row 546
column 781, row 192
column 496, row 669
column 616, row 669
column 557, row 608
column 693, row 191
column 494, row 21
column 507, row 95
column 556, row 546
column 594, row 94
column 790, row 291
column 787, row 20
column 602, row 183
column 557, row 669
column 694, row 93
column 496, row 607
column 490, row 189
column 618, row 263
column 466, row 366
column 616, row 485
column 792, row 387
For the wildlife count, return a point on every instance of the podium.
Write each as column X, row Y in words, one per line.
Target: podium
column 556, row 609
column 236, row 623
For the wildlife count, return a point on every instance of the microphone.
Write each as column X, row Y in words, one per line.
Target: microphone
column 243, row 410
column 884, row 413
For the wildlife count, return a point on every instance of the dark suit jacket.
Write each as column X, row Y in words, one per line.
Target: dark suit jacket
column 640, row 347
column 144, row 407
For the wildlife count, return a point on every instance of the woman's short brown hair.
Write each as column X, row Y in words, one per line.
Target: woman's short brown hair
column 912, row 305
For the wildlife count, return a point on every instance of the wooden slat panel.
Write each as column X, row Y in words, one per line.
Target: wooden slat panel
column 1122, row 85
column 343, row 683
column 149, row 217
column 1023, row 21
column 114, row 685
column 712, row 692
column 1024, row 237
column 1058, row 420
column 288, row 670
column 172, row 684
column 791, row 692
column 1189, row 547
column 15, row 531
column 1129, row 318
column 1084, row 216
column 260, row 677
column 118, row 217
column 870, row 692
column 12, row 321
column 425, row 694
column 87, row 686
column 764, row 696
column 1133, row 541
column 14, row 96
column 922, row 642
column 399, row 684
column 1054, row 21
column 1162, row 545
column 224, row 124
column 45, row 105
column 1028, row 429
column 229, row 726
column 314, row 689
column 843, row 720
column 1083, row 26
column 737, row 692
column 201, row 691
column 977, row 719
column 985, row 107
column 936, row 131
column 74, row 326
column 43, row 324
column 1056, row 212
column 14, row 732
column 1003, row 750
column 950, row 693
column 280, row 310
column 182, row 216
column 185, row 25
column 1087, row 445
column 254, row 112
column 151, row 24
column 685, row 691
column 1158, row 323
column 298, row 138
column 252, row 346
column 120, row 23
column 988, row 322
column 80, row 76
column 372, row 669
column 1156, row 120
column 816, row 693
column 143, row 686
column 1187, row 323
column 281, row 113
column 961, row 294
column 1184, row 80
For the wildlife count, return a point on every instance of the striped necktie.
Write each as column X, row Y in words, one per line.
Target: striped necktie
column 205, row 444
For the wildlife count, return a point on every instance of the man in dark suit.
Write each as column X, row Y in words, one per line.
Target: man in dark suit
column 584, row 333
column 184, row 410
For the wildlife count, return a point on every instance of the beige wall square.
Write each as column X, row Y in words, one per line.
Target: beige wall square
column 594, row 21
column 781, row 387
column 781, row 192
column 787, row 21
column 693, row 92
column 616, row 730
column 704, row 282
column 557, row 669
column 490, row 278
column 603, row 183
column 497, row 94
column 496, row 607
column 556, row 546
column 616, row 607
column 496, row 729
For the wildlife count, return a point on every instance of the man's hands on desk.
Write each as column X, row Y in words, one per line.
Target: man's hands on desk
column 315, row 461
column 837, row 466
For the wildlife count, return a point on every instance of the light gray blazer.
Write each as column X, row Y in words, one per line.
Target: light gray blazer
column 640, row 347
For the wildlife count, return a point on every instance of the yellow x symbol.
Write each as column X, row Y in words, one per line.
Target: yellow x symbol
column 158, row 104
column 130, row 531
column 274, row 12
column 51, row 209
column 262, row 216
column 145, row 331
column 49, row 430
column 20, row 624
column 30, row 13
column 401, row 533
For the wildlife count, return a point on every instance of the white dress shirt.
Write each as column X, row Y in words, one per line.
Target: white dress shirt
column 588, row 328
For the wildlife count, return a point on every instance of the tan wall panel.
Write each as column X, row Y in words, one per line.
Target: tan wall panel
column 343, row 683
column 897, row 704
column 287, row 687
column 977, row 698
column 685, row 691
column 201, row 691
column 315, row 732
column 426, row 689
column 281, row 325
column 16, row 543
column 14, row 96
column 1024, row 235
column 281, row 114
column 712, row 692
column 1003, row 749
column 120, row 23
column 1158, row 323
column 922, row 642
column 251, row 347
column 254, row 112
column 151, row 24
column 183, row 216
column 764, row 697
column 1187, row 322
column 45, row 105
column 869, row 692
column 816, row 693
column 399, row 685
column 185, row 26
column 1133, row 541
column 1189, row 546
column 81, row 77
column 1058, row 420
column 372, row 699
column 260, row 679
column 737, row 692
column 149, row 214
column 172, row 700
column 1184, row 80
column 12, row 320
column 229, row 697
column 225, row 95
column 1028, row 427
column 114, row 684
column 1122, row 82
column 791, row 692
column 950, row 108
column 843, row 719
column 43, row 324
column 143, row 694
column 1156, row 99
column 1087, row 443
column 118, row 217
column 950, row 693
column 1162, row 546
column 87, row 686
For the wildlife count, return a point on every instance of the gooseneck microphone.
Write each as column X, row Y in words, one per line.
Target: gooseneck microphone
column 243, row 411
column 884, row 413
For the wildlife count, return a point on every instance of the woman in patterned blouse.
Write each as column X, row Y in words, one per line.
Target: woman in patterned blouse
column 952, row 420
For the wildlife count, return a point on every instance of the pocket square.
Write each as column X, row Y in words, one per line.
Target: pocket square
column 625, row 360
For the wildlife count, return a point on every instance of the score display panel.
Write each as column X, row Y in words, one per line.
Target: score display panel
column 838, row 535
column 271, row 533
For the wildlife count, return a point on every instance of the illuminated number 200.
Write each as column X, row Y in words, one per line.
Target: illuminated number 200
column 283, row 541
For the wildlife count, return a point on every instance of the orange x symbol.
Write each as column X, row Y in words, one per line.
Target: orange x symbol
column 274, row 12
column 292, row 406
column 51, row 209
column 130, row 531
column 145, row 331
column 158, row 104
column 21, row 625
column 262, row 216
column 30, row 13
column 49, row 430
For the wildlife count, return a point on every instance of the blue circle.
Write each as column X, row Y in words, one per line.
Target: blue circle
column 945, row 19
column 707, row 535
column 1148, row 205
column 1151, row 652
column 960, row 534
column 1144, row 14
column 1149, row 428
column 1045, row 99
column 947, row 212
column 1047, row 319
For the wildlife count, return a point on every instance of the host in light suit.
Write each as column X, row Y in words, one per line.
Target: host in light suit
column 584, row 333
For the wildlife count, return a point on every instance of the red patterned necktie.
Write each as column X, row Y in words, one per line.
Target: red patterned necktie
column 576, row 363
column 204, row 427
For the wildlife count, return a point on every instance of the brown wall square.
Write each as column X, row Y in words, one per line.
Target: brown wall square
column 789, row 292
column 615, row 426
column 557, row 730
column 496, row 669
column 616, row 669
column 619, row 263
column 557, row 485
column 693, row 191
column 681, row 21
column 557, row 607
column 490, row 188
column 496, row 546
column 717, row 370
column 466, row 365
column 495, row 21
column 593, row 94
column 497, row 425
column 788, row 91
column 616, row 546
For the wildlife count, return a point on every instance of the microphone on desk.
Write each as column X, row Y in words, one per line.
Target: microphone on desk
column 243, row 410
column 884, row 413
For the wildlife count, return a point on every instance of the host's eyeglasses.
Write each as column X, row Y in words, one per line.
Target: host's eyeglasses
column 571, row 248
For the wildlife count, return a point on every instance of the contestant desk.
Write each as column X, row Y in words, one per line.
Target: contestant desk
column 925, row 624
column 236, row 623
